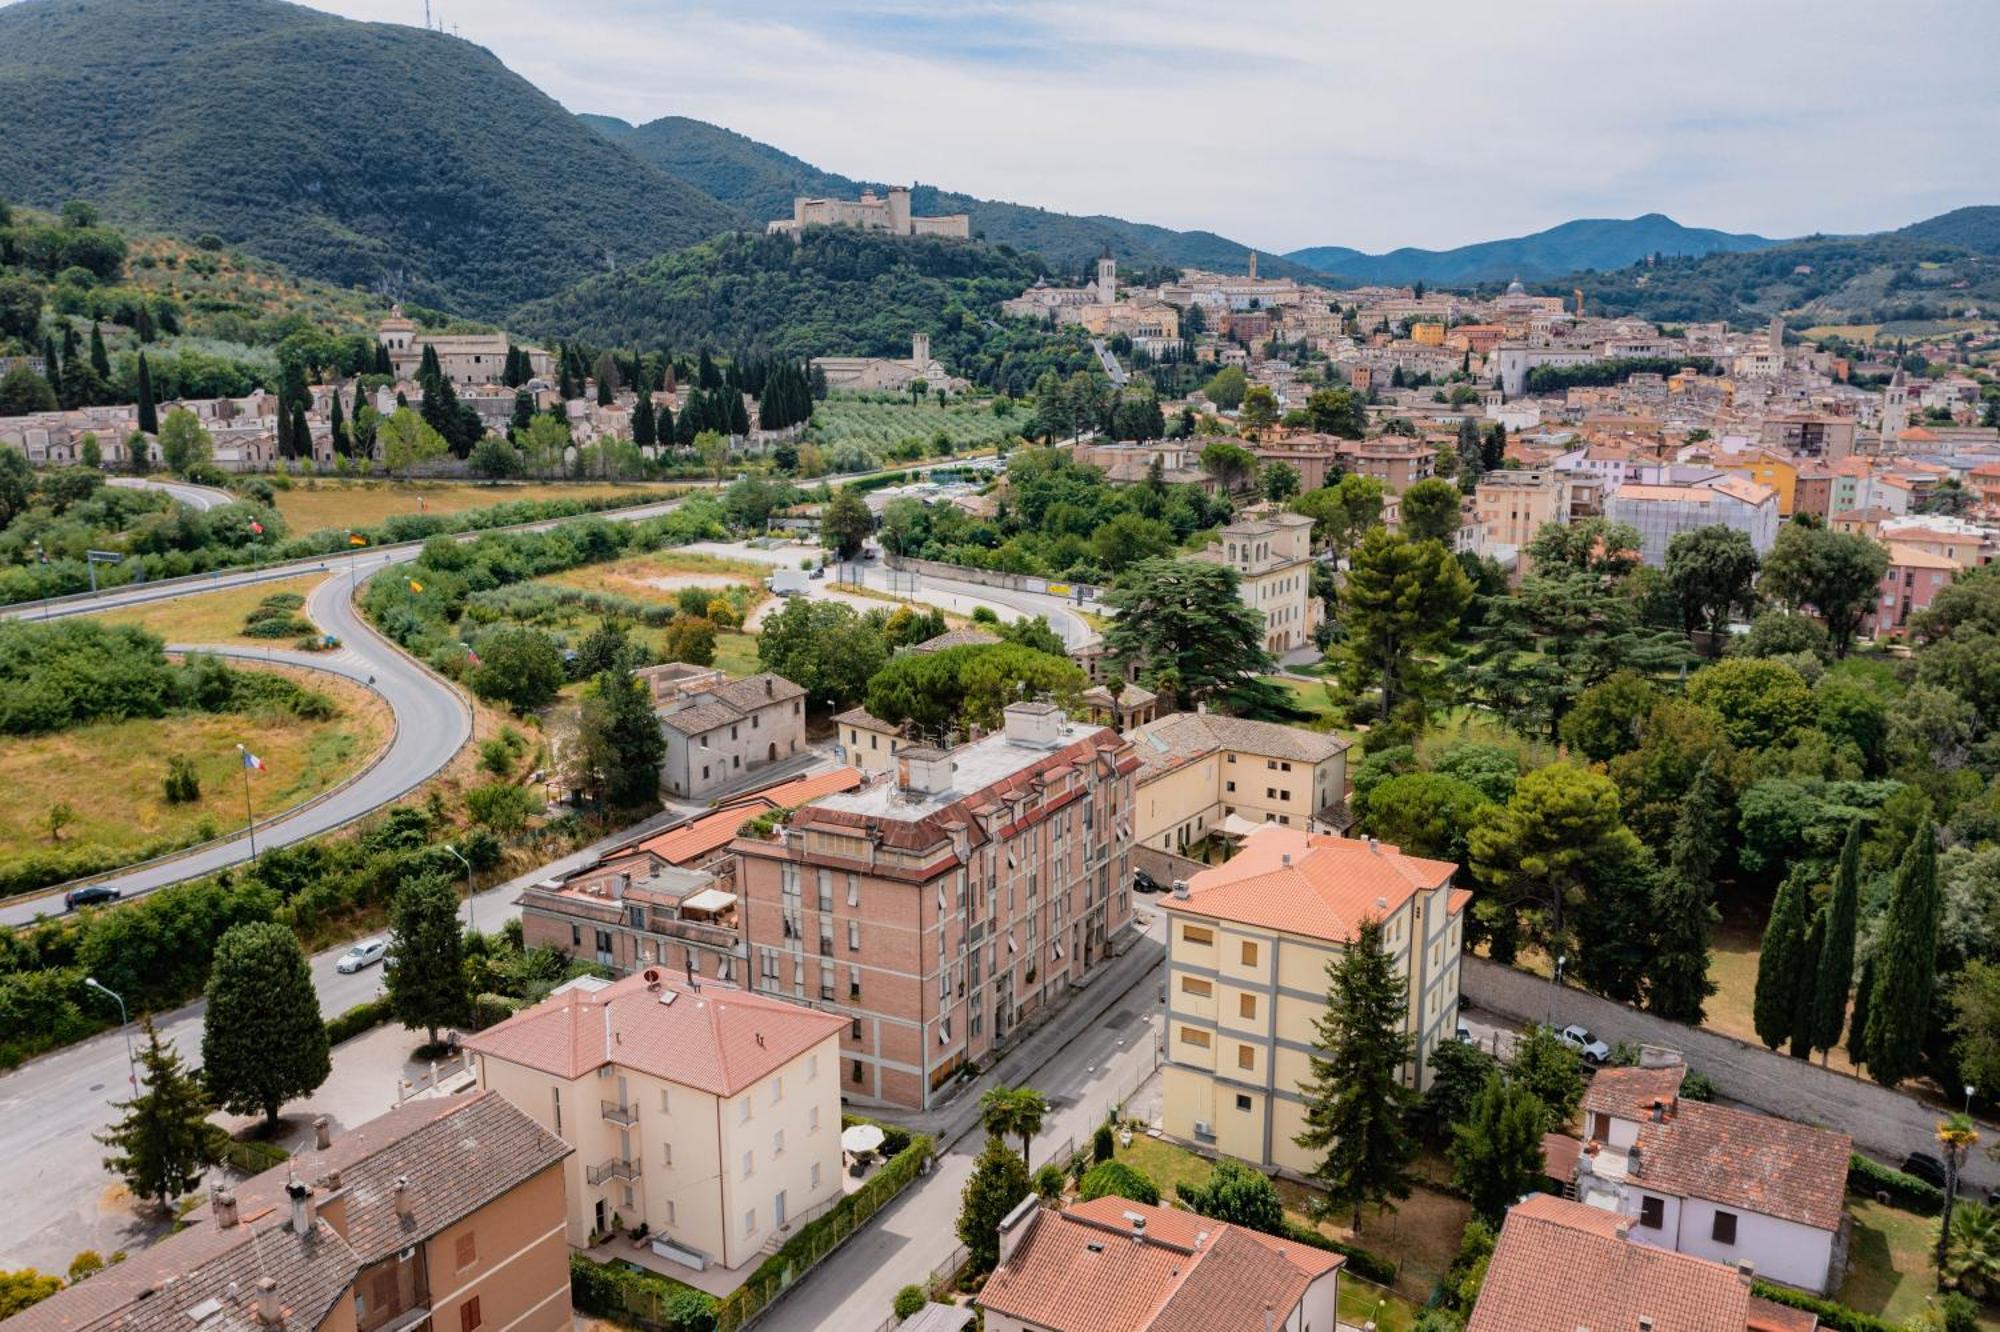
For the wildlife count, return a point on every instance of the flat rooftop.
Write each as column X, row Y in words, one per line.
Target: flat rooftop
column 974, row 767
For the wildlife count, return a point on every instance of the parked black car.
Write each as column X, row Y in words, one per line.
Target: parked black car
column 1925, row 1167
column 89, row 896
column 1143, row 882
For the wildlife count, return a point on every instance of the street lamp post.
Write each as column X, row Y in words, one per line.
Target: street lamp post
column 125, row 1024
column 1555, row 984
column 471, row 920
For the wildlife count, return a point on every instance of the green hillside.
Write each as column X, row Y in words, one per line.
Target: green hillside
column 1582, row 244
column 761, row 181
column 1976, row 228
column 394, row 158
column 1821, row 279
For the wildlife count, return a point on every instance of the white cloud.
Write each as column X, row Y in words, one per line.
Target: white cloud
column 1293, row 122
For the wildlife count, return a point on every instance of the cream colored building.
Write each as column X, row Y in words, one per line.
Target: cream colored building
column 1197, row 770
column 1509, row 507
column 871, row 212
column 1247, row 952
column 1272, row 555
column 464, row 358
column 868, row 742
column 709, row 1114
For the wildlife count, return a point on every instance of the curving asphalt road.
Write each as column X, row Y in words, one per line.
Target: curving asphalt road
column 433, row 721
column 195, row 497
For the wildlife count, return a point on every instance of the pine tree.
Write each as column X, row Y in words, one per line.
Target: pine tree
column 1781, row 965
column 619, row 740
column 1684, row 906
column 100, row 360
column 1356, row 1101
column 262, row 1041
column 162, row 1142
column 1900, row 1008
column 1496, row 1152
column 425, row 974
column 149, row 416
column 1836, row 963
column 1810, row 952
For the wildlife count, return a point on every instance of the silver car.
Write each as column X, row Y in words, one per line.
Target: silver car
column 364, row 954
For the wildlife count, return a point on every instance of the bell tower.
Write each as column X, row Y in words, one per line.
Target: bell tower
column 1107, row 278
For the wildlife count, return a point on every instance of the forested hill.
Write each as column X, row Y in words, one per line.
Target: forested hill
column 761, row 181
column 387, row 156
column 835, row 291
column 1582, row 244
column 1929, row 270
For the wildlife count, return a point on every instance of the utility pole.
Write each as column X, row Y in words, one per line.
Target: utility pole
column 125, row 1024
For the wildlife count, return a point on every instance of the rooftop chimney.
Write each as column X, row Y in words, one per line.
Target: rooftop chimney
column 1181, row 889
column 268, row 1312
column 1269, row 1313
column 1015, row 1225
column 405, row 1206
column 1036, row 725
column 1746, row 1271
column 304, row 1212
column 619, row 883
column 1635, row 1161
column 1645, row 1323
column 1659, row 1109
column 1138, row 1227
column 322, row 1133
column 224, row 1204
column 1622, row 1231
column 1285, row 859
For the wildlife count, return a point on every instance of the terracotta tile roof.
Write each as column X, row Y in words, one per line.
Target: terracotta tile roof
column 1559, row 1154
column 730, row 701
column 1080, row 1270
column 691, row 841
column 717, row 1039
column 1766, row 1316
column 1759, row 1163
column 459, row 1153
column 1310, row 884
column 1630, row 1092
column 1559, row 1266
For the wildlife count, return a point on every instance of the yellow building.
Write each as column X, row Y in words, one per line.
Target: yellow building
column 708, row 1114
column 869, row 743
column 1272, row 555
column 1247, row 952
column 1197, row 769
column 1775, row 470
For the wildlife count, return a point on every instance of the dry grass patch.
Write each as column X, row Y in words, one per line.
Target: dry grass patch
column 310, row 506
column 213, row 617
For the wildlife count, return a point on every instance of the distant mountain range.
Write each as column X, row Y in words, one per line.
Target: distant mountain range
column 761, row 181
column 1587, row 243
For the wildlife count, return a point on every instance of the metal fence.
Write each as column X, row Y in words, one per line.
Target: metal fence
column 943, row 1274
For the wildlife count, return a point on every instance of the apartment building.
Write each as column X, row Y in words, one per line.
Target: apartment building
column 720, row 735
column 1663, row 512
column 668, row 900
column 1509, row 507
column 1272, row 555
column 443, row 1215
column 1198, row 770
column 868, row 742
column 935, row 908
column 708, row 1114
column 1112, row 1265
column 1398, row 463
column 1912, row 581
column 1247, row 949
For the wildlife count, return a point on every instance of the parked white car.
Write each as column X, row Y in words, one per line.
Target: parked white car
column 1579, row 1039
column 364, row 954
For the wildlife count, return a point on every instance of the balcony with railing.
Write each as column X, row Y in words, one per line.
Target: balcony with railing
column 616, row 1168
column 626, row 1115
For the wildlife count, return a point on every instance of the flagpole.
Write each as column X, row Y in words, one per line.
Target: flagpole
column 249, row 817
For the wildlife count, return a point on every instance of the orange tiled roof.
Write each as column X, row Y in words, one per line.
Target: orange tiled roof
column 693, row 840
column 714, row 1038
column 1759, row 1163
column 1311, row 884
column 1629, row 1093
column 1560, row 1265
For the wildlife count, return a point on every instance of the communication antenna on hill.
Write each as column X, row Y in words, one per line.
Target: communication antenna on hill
column 427, row 13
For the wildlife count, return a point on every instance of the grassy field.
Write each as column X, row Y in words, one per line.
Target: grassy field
column 1421, row 1235
column 658, row 577
column 736, row 653
column 110, row 774
column 1889, row 1271
column 878, row 425
column 311, row 505
column 212, row 617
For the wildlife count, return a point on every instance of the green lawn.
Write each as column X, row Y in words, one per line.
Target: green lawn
column 736, row 653
column 1889, row 1271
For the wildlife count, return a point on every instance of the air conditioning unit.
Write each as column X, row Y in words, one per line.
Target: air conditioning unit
column 1202, row 1129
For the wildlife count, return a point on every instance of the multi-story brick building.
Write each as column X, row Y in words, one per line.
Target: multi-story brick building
column 1397, row 462
column 938, row 907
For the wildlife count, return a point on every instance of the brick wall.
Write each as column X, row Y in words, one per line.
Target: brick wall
column 1883, row 1123
column 1165, row 866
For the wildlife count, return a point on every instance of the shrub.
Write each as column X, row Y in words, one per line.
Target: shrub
column 1364, row 1263
column 1103, row 1144
column 1832, row 1314
column 1872, row 1179
column 496, row 756
column 253, row 1156
column 909, row 1300
column 364, row 1016
column 183, row 784
column 1115, row 1177
column 895, row 1141
column 626, row 1294
column 1049, row 1181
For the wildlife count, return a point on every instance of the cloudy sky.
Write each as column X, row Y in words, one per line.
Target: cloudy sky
column 1286, row 123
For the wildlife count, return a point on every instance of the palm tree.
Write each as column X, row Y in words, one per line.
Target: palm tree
column 1008, row 1110
column 1973, row 1264
column 1957, row 1137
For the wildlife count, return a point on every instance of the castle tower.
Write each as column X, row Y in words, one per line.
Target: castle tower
column 899, row 211
column 1578, row 293
column 920, row 350
column 1253, row 266
column 1107, row 278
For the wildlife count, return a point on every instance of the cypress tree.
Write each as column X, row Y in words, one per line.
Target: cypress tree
column 739, row 416
column 142, row 324
column 1900, row 1008
column 1857, row 1023
column 565, row 385
column 427, row 367
column 302, row 440
column 52, row 369
column 425, row 975
column 262, row 1041
column 707, row 378
column 686, row 428
column 1779, row 964
column 1684, row 906
column 100, row 360
column 524, row 413
column 642, row 420
column 1803, row 1012
column 149, row 416
column 69, row 343
column 663, row 426
column 1836, row 962
column 383, row 365
column 338, row 423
